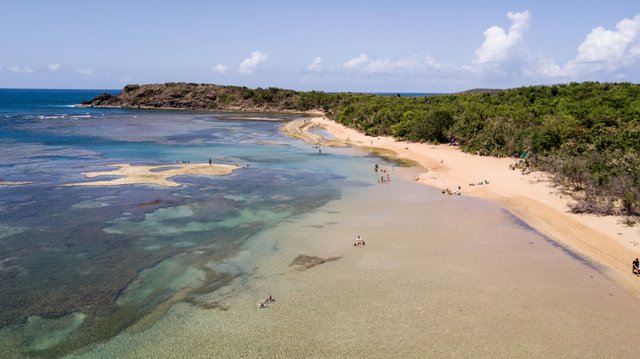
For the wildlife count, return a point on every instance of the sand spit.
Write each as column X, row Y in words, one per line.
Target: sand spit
column 531, row 197
column 301, row 129
column 159, row 175
column 14, row 183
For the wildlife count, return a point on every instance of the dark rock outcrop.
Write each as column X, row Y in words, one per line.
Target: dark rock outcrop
column 194, row 96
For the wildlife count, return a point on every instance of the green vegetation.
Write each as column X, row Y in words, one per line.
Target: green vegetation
column 587, row 135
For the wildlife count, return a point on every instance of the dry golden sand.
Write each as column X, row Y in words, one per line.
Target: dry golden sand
column 530, row 197
column 154, row 174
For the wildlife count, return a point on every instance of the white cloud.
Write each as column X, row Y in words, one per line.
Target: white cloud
column 498, row 43
column 249, row 65
column 220, row 69
column 411, row 64
column 86, row 72
column 316, row 65
column 54, row 67
column 609, row 54
column 606, row 49
column 543, row 68
column 23, row 69
column 356, row 62
column 495, row 59
column 602, row 51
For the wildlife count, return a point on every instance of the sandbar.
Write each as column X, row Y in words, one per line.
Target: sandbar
column 531, row 197
column 14, row 183
column 159, row 175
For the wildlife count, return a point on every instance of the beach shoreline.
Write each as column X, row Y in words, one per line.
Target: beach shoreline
column 530, row 197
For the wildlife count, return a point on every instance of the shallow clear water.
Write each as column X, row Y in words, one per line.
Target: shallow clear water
column 149, row 271
column 93, row 260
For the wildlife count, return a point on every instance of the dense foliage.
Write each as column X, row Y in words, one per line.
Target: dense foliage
column 586, row 134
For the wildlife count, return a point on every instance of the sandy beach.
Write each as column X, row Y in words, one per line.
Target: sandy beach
column 159, row 175
column 530, row 197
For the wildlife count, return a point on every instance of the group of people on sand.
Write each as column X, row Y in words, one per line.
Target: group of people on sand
column 457, row 191
column 183, row 162
column 268, row 300
column 480, row 183
column 358, row 241
column 383, row 178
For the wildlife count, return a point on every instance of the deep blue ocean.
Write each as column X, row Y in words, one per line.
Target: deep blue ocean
column 68, row 254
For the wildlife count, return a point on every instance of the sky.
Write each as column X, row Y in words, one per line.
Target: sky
column 359, row 46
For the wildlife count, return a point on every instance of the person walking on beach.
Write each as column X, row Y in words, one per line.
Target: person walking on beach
column 636, row 267
column 209, row 161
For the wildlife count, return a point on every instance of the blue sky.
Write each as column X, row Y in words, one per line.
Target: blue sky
column 372, row 46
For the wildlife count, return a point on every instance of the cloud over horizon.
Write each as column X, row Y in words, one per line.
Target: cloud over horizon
column 316, row 65
column 54, row 67
column 219, row 69
column 411, row 64
column 21, row 69
column 496, row 48
column 250, row 64
column 513, row 50
column 85, row 71
column 498, row 42
column 499, row 57
column 602, row 51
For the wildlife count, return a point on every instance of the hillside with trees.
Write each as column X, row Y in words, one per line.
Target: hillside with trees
column 587, row 135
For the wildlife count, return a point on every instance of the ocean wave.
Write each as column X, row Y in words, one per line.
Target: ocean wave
column 51, row 117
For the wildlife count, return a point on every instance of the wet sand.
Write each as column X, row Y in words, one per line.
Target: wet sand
column 159, row 175
column 439, row 276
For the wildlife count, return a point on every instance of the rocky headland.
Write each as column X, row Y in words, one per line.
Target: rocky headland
column 193, row 96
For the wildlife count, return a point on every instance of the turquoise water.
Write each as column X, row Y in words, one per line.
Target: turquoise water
column 80, row 264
